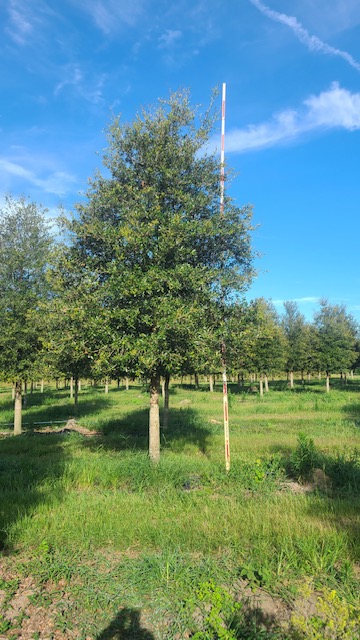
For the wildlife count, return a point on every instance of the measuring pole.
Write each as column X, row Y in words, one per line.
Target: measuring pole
column 223, row 348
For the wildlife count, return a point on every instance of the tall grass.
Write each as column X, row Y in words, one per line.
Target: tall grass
column 94, row 512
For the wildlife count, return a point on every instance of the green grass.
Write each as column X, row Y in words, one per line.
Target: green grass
column 124, row 545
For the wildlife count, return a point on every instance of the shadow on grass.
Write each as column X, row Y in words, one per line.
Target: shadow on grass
column 29, row 469
column 255, row 624
column 352, row 412
column 126, row 626
column 131, row 431
column 36, row 414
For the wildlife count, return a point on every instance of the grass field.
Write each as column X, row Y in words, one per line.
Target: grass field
column 99, row 544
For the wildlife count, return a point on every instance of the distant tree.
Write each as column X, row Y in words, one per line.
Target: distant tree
column 240, row 338
column 152, row 231
column 25, row 243
column 269, row 348
column 298, row 341
column 336, row 334
column 78, row 332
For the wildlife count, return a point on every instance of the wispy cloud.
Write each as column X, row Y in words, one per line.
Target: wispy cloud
column 20, row 25
column 335, row 108
column 168, row 43
column 58, row 183
column 73, row 76
column 313, row 43
column 168, row 39
column 110, row 15
column 305, row 300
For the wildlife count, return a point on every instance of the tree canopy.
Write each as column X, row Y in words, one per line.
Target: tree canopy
column 25, row 243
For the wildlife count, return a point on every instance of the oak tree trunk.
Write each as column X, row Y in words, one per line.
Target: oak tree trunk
column 291, row 379
column 266, row 383
column 154, row 419
column 166, row 400
column 211, row 383
column 24, row 400
column 327, row 382
column 18, row 408
column 76, row 394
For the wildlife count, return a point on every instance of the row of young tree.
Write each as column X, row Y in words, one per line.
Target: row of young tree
column 261, row 341
column 148, row 279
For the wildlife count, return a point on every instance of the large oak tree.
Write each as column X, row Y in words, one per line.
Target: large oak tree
column 152, row 231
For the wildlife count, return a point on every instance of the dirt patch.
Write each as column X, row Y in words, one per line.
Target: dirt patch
column 71, row 427
column 267, row 607
column 296, row 487
column 31, row 611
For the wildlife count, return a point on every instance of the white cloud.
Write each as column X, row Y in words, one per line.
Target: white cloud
column 58, row 183
column 305, row 300
column 73, row 77
column 88, row 89
column 335, row 108
column 313, row 43
column 169, row 38
column 19, row 22
column 109, row 15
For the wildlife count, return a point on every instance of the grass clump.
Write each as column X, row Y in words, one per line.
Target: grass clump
column 304, row 459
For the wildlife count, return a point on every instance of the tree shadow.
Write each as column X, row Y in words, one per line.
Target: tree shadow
column 34, row 416
column 126, row 626
column 131, row 431
column 254, row 623
column 29, row 470
column 352, row 411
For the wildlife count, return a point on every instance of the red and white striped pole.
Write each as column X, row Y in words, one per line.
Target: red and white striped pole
column 222, row 156
column 223, row 348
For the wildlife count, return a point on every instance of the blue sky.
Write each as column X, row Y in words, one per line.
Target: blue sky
column 292, row 71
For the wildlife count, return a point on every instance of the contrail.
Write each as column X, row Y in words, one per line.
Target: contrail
column 312, row 42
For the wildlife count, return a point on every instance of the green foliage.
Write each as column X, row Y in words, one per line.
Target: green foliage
column 215, row 611
column 24, row 257
column 304, row 458
column 299, row 336
column 269, row 342
column 78, row 332
column 334, row 619
column 336, row 335
column 153, row 234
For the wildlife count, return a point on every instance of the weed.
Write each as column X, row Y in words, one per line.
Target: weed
column 5, row 624
column 215, row 611
column 304, row 458
column 334, row 619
